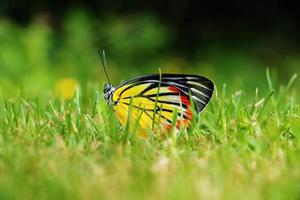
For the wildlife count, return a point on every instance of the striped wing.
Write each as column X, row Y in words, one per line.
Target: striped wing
column 159, row 99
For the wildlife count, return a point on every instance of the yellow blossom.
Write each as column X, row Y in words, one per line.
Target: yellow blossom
column 66, row 87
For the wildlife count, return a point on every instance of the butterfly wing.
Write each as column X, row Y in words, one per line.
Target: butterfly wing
column 156, row 100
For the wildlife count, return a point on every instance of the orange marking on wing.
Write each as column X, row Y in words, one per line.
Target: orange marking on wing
column 174, row 89
column 181, row 122
column 186, row 101
column 183, row 98
column 186, row 122
column 178, row 123
column 189, row 114
column 168, row 127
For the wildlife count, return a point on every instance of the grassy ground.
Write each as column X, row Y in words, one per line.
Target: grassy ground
column 243, row 147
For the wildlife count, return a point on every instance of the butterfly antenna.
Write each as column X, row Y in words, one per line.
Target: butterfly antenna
column 103, row 60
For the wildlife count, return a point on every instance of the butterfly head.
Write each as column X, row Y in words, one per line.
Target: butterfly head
column 108, row 92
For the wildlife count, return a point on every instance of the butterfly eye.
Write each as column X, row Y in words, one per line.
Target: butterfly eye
column 107, row 87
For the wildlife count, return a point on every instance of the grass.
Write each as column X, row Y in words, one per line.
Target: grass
column 243, row 147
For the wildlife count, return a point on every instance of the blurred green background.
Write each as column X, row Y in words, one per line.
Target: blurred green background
column 245, row 145
column 51, row 47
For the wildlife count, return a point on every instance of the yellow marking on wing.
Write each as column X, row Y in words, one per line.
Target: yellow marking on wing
column 135, row 90
column 155, row 90
column 141, row 113
column 139, row 118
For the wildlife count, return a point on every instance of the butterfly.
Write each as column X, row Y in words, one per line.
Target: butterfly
column 158, row 102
